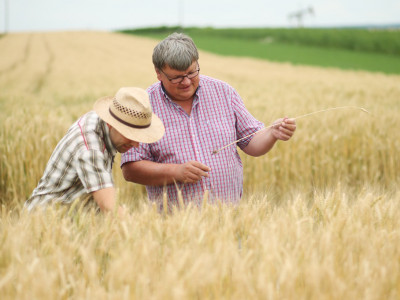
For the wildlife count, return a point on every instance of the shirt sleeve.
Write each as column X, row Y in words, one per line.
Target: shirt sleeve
column 94, row 171
column 245, row 123
column 143, row 152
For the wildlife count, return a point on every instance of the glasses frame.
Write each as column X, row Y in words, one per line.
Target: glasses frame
column 190, row 76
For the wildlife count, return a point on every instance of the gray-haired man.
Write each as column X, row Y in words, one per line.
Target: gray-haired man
column 200, row 114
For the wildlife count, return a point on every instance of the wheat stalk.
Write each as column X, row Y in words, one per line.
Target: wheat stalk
column 296, row 118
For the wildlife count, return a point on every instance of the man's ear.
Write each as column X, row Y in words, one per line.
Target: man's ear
column 158, row 73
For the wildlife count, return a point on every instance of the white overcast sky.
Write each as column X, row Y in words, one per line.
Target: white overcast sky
column 53, row 15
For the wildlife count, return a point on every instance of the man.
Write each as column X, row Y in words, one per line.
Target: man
column 81, row 164
column 200, row 114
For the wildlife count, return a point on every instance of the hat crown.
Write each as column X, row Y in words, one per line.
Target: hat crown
column 132, row 106
column 130, row 113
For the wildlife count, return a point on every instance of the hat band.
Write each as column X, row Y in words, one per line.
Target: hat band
column 126, row 123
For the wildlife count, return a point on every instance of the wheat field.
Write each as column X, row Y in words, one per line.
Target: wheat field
column 320, row 215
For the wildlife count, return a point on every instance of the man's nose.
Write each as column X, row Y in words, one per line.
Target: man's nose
column 185, row 79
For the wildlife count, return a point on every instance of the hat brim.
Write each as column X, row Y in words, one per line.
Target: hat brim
column 151, row 134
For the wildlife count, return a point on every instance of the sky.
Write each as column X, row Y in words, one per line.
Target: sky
column 58, row 15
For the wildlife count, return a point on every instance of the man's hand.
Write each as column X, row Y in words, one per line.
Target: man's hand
column 191, row 172
column 283, row 129
column 261, row 143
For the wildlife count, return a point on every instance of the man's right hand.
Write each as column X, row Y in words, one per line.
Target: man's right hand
column 191, row 171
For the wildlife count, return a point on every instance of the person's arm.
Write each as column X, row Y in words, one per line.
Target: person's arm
column 156, row 174
column 263, row 141
column 105, row 199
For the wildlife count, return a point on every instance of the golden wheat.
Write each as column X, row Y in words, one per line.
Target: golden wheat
column 319, row 217
column 334, row 248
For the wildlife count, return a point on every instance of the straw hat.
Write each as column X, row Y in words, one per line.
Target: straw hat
column 129, row 112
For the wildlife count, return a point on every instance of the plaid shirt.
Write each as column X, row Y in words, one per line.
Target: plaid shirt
column 218, row 117
column 81, row 163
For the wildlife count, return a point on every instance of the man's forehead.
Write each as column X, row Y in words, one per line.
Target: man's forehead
column 190, row 68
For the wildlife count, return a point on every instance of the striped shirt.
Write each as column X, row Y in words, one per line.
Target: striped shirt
column 218, row 117
column 81, row 163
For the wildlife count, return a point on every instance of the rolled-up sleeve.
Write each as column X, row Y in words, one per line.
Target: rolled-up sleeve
column 245, row 123
column 143, row 152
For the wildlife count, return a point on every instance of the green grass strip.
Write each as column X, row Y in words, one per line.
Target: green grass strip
column 247, row 43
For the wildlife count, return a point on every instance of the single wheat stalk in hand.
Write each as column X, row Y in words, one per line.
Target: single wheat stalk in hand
column 296, row 118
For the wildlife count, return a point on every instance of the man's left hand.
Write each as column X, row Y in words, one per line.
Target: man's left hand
column 283, row 129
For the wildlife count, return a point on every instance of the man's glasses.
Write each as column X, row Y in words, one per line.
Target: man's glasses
column 179, row 79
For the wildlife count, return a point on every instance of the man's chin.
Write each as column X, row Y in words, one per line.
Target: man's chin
column 185, row 95
column 123, row 149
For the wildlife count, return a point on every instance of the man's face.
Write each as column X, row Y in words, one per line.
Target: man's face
column 184, row 90
column 121, row 143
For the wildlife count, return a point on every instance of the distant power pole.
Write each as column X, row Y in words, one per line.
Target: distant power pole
column 300, row 14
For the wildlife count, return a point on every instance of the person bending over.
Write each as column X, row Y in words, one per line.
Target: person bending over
column 81, row 164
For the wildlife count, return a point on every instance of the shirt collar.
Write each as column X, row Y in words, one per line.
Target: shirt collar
column 169, row 99
column 107, row 140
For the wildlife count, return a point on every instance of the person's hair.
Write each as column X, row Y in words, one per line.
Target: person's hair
column 177, row 50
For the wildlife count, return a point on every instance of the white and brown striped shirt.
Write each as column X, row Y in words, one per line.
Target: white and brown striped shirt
column 80, row 164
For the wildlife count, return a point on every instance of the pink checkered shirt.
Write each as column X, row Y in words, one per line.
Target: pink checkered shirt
column 218, row 117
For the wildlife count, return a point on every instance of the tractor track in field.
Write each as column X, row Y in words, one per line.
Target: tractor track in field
column 38, row 85
column 21, row 61
column 29, row 55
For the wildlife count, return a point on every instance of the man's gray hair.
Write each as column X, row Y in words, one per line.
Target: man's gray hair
column 177, row 50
